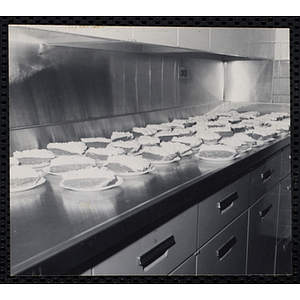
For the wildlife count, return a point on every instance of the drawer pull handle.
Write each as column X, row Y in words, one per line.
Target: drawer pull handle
column 267, row 175
column 286, row 244
column 153, row 254
column 265, row 211
column 227, row 202
column 226, row 248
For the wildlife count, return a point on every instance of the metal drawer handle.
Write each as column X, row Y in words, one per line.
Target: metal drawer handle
column 226, row 248
column 150, row 256
column 265, row 211
column 267, row 175
column 227, row 203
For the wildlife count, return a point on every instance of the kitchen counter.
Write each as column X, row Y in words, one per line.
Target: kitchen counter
column 57, row 231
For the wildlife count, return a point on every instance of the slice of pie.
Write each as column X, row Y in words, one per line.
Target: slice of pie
column 67, row 148
column 98, row 142
column 158, row 153
column 127, row 164
column 92, row 178
column 130, row 147
column 209, row 137
column 191, row 141
column 23, row 176
column 121, row 136
column 216, row 152
column 66, row 163
column 146, row 131
column 34, row 157
column 145, row 140
column 179, row 148
column 101, row 154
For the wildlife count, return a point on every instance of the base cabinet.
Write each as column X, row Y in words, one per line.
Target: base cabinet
column 226, row 252
column 245, row 228
column 263, row 233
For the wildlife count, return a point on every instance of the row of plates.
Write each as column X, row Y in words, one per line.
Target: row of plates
column 46, row 169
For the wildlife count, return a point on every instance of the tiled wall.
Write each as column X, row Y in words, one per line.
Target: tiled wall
column 281, row 70
column 281, row 81
column 273, row 43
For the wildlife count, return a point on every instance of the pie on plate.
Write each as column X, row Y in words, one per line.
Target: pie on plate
column 94, row 179
column 217, row 153
column 23, row 178
column 125, row 165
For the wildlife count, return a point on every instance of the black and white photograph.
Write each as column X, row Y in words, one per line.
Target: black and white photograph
column 149, row 151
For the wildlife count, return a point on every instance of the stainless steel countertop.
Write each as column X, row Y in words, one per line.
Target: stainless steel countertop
column 54, row 229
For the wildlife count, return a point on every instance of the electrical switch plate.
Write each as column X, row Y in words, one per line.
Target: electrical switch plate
column 183, row 73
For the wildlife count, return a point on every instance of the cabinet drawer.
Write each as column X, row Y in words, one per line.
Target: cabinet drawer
column 158, row 252
column 186, row 268
column 226, row 252
column 262, row 233
column 264, row 177
column 284, row 215
column 286, row 162
column 221, row 208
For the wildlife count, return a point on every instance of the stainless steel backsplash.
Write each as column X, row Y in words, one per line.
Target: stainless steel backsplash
column 248, row 81
column 60, row 93
column 67, row 93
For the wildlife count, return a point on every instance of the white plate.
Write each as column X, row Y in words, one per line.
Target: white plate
column 246, row 150
column 284, row 133
column 270, row 140
column 47, row 170
column 28, row 187
column 258, row 144
column 187, row 153
column 136, row 173
column 94, row 189
column 218, row 159
column 38, row 166
column 164, row 162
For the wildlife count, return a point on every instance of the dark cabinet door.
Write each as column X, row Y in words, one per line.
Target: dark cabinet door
column 262, row 233
column 284, row 251
column 226, row 252
column 284, row 215
column 284, row 255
